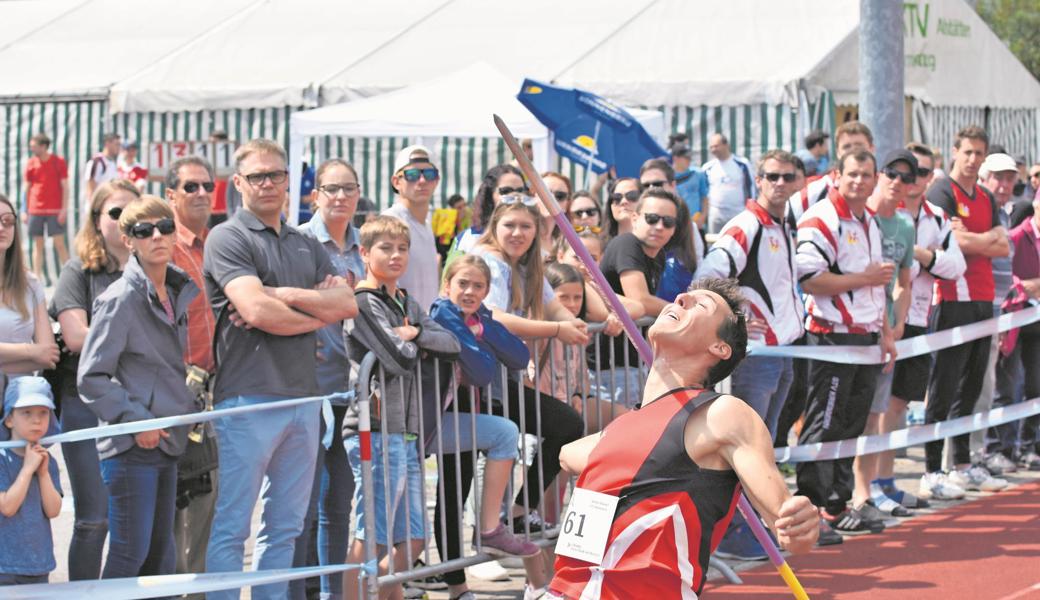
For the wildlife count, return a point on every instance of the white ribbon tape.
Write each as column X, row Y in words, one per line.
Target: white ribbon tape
column 911, row 436
column 906, row 348
column 163, row 422
column 158, row 586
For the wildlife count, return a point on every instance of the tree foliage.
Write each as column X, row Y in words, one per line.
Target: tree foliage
column 1017, row 23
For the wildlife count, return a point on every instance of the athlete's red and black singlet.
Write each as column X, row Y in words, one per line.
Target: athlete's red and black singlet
column 671, row 514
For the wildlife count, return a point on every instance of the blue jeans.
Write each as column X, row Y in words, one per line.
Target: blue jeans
column 91, row 498
column 763, row 382
column 329, row 514
column 497, row 436
column 142, row 494
column 406, row 515
column 271, row 454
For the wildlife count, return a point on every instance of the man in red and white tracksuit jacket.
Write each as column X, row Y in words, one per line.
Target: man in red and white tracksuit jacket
column 841, row 268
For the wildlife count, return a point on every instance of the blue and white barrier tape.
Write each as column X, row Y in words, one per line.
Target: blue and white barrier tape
column 159, row 586
column 163, row 422
column 911, row 436
column 905, row 348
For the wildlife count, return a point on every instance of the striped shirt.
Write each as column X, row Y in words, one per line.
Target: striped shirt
column 187, row 255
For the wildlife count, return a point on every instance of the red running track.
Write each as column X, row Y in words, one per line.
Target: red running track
column 984, row 549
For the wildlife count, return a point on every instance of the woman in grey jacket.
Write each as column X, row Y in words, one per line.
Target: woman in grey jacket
column 131, row 369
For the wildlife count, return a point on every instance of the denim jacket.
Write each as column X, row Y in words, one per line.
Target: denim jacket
column 131, row 367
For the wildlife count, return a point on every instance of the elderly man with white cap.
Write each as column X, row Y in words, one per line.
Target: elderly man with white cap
column 414, row 180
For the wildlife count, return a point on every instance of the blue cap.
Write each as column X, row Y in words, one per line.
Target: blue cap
column 23, row 392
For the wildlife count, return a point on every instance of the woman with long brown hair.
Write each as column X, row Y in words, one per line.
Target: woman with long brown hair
column 100, row 257
column 26, row 341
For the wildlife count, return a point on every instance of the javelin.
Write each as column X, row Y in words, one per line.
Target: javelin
column 633, row 334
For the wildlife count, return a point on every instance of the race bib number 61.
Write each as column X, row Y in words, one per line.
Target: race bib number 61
column 586, row 525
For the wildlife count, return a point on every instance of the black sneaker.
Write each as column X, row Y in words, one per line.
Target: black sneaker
column 535, row 524
column 852, row 522
column 431, row 582
column 828, row 537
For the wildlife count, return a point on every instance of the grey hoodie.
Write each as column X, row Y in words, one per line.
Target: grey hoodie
column 131, row 367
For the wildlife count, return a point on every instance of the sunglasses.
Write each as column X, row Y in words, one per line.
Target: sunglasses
column 190, row 187
column 560, row 195
column 616, row 197
column 8, row 220
column 904, row 177
column 429, row 174
column 113, row 213
column 653, row 184
column 652, row 219
column 583, row 228
column 275, row 177
column 143, row 231
column 334, row 189
column 516, row 198
column 923, row 171
column 509, row 191
column 585, row 212
column 774, row 177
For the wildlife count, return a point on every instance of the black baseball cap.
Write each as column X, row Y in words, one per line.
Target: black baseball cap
column 900, row 156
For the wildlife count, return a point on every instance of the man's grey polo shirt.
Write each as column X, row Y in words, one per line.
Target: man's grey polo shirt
column 251, row 362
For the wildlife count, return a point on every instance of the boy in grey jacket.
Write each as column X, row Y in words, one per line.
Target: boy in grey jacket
column 394, row 327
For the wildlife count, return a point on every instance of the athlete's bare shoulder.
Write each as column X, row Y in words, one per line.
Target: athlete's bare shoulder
column 725, row 421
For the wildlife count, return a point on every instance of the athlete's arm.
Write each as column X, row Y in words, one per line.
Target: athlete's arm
column 741, row 440
column 575, row 455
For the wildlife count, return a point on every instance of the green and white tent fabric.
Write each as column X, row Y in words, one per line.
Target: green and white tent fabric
column 763, row 73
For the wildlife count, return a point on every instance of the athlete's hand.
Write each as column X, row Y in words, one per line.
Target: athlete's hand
column 798, row 525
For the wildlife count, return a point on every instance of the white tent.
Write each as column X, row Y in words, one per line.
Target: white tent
column 458, row 104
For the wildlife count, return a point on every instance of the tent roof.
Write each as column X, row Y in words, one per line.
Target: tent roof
column 457, row 104
column 192, row 54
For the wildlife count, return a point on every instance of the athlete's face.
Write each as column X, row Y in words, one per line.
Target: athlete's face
column 690, row 325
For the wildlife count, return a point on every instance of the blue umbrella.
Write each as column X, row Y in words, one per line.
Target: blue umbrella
column 590, row 130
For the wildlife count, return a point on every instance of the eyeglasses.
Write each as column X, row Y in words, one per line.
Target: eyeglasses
column 190, row 187
column 8, row 220
column 583, row 228
column 143, row 231
column 113, row 213
column 774, row 177
column 509, row 191
column 904, row 177
column 653, row 184
column 276, row 177
column 515, row 198
column 616, row 197
column 652, row 219
column 923, row 171
column 429, row 174
column 581, row 213
column 559, row 195
column 334, row 189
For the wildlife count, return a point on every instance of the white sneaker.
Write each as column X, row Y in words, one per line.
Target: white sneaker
column 977, row 478
column 939, row 487
column 531, row 593
column 488, row 571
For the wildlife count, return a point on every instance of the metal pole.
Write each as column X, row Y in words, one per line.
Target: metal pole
column 881, row 71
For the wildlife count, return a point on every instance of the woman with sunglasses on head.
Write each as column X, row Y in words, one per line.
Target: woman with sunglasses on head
column 499, row 181
column 585, row 212
column 132, row 369
column 559, row 185
column 622, row 195
column 26, row 340
column 100, row 257
column 523, row 301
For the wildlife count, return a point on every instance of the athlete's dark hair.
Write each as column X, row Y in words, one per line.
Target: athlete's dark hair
column 732, row 331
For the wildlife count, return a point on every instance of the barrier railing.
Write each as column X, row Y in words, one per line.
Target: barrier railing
column 595, row 386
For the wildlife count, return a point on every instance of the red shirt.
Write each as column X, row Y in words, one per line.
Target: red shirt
column 220, row 197
column 44, row 179
column 187, row 255
column 978, row 213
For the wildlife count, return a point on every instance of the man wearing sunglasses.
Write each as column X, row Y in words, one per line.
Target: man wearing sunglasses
column 757, row 249
column 841, row 267
column 189, row 187
column 415, row 180
column 271, row 288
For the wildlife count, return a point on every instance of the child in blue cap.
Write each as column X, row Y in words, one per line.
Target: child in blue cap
column 30, row 489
